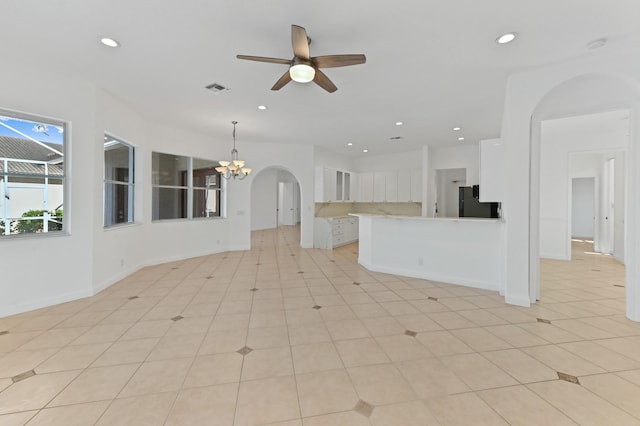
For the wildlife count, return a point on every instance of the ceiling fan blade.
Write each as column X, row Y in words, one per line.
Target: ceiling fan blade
column 263, row 59
column 332, row 61
column 323, row 81
column 282, row 81
column 300, row 42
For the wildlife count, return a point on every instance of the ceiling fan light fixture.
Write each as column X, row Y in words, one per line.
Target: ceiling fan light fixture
column 506, row 38
column 302, row 73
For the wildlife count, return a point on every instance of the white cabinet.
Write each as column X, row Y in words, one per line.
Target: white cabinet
column 404, row 185
column 416, row 185
column 391, row 187
column 334, row 232
column 379, row 186
column 333, row 185
column 365, row 194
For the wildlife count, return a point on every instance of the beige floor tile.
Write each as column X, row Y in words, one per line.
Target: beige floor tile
column 213, row 405
column 147, row 329
column 55, row 338
column 563, row 361
column 126, row 352
column 216, row 342
column 581, row 405
column 413, row 413
column 428, row 306
column 148, row 410
column 35, row 392
column 182, row 346
column 358, row 352
column 326, row 392
column 346, row 418
column 157, row 377
column 627, row 346
column 582, row 329
column 521, row 366
column 39, row 323
column 96, row 384
column 347, row 329
column 193, row 325
column 270, row 337
column 308, row 333
column 431, row 378
column 418, row 323
column 267, row 319
column 314, row 357
column 73, row 358
column 72, row 415
column 521, row 407
column 443, row 343
column 457, row 410
column 514, row 315
column 399, row 308
column 229, row 322
column 516, row 336
column 451, row 320
column 480, row 339
column 15, row 363
column 125, row 316
column 550, row 332
column 216, row 369
column 5, row 383
column 265, row 363
column 101, row 334
column 477, row 372
column 336, row 313
column 381, row 384
column 402, row 348
column 11, row 341
column 369, row 310
column 16, row 419
column 601, row 356
column 267, row 401
column 383, row 326
column 632, row 376
column 617, row 391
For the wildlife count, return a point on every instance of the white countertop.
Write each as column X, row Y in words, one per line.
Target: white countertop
column 447, row 219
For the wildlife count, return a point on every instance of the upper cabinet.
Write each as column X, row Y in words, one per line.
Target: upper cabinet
column 365, row 194
column 334, row 185
column 395, row 186
column 492, row 170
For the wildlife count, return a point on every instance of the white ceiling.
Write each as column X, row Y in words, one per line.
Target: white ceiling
column 432, row 64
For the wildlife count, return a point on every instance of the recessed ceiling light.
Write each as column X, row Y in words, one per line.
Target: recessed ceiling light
column 365, row 150
column 460, row 138
column 262, row 107
column 457, row 128
column 350, row 144
column 399, row 123
column 109, row 42
column 596, row 44
column 506, row 38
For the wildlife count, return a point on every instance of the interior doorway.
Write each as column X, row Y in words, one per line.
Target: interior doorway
column 448, row 182
column 275, row 199
column 288, row 203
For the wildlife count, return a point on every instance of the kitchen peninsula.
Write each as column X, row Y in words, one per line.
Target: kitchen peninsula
column 465, row 251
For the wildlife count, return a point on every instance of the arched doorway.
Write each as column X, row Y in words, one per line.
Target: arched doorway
column 276, row 201
column 591, row 96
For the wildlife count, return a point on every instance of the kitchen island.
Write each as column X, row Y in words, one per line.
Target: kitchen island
column 465, row 251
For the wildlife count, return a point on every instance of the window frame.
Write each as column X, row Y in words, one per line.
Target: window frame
column 131, row 184
column 5, row 176
column 190, row 191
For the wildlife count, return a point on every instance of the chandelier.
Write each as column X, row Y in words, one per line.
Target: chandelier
column 234, row 168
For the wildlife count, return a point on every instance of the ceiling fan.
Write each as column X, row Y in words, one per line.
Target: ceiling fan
column 303, row 68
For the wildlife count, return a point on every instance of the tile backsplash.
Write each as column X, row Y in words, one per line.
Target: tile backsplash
column 342, row 209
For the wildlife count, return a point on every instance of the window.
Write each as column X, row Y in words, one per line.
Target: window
column 32, row 175
column 118, row 182
column 185, row 187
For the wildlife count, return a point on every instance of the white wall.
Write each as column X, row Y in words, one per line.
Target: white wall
column 559, row 139
column 602, row 81
column 325, row 158
column 264, row 200
column 457, row 157
column 390, row 162
column 583, row 207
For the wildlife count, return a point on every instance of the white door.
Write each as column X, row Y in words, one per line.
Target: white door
column 609, row 214
column 287, row 212
column 583, row 204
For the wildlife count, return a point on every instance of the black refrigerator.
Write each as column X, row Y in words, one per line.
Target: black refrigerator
column 470, row 206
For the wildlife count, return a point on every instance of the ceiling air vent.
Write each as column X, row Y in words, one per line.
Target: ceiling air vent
column 216, row 88
column 395, row 138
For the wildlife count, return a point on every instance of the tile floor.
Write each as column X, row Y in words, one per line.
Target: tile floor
column 287, row 336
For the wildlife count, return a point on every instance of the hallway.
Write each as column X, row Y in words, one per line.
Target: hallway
column 290, row 336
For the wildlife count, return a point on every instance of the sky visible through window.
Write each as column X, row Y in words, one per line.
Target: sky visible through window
column 40, row 131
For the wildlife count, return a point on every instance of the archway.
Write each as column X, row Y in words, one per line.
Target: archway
column 275, row 200
column 585, row 95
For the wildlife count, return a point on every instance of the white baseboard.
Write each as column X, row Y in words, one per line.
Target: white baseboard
column 518, row 301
